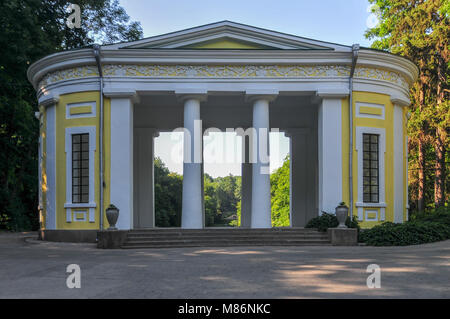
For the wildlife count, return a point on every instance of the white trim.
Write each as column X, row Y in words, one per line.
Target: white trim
column 330, row 154
column 91, row 130
column 381, row 107
column 121, row 180
column 40, row 163
column 51, row 167
column 398, row 164
column 229, row 29
column 84, row 212
column 367, row 211
column 80, row 205
column 381, row 167
column 93, row 112
column 360, row 204
column 407, row 180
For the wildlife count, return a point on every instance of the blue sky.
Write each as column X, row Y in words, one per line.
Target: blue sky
column 338, row 21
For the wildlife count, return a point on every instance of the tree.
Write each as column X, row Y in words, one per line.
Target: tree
column 168, row 196
column 280, row 194
column 32, row 29
column 419, row 30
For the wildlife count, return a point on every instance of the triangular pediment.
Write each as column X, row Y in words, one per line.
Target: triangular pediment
column 228, row 35
column 227, row 43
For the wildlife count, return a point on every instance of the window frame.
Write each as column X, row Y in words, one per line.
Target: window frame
column 381, row 204
column 69, row 204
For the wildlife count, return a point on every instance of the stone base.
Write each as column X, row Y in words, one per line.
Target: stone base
column 111, row 239
column 71, row 236
column 343, row 236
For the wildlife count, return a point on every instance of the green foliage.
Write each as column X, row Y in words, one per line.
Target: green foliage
column 439, row 215
column 168, row 192
column 409, row 233
column 31, row 29
column 325, row 221
column 280, row 197
column 420, row 31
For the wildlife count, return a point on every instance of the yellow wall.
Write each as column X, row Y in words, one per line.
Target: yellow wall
column 388, row 125
column 226, row 43
column 42, row 132
column 61, row 124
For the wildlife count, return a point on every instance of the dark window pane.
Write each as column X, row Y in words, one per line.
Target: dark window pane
column 370, row 168
column 80, row 168
column 374, row 138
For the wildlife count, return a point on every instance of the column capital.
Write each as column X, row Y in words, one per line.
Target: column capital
column 122, row 94
column 48, row 99
column 332, row 93
column 400, row 101
column 267, row 95
column 196, row 94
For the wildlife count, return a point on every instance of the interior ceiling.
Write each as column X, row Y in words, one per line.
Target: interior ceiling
column 223, row 111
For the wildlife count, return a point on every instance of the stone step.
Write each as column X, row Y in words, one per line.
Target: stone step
column 224, row 229
column 218, row 233
column 223, row 237
column 222, row 243
column 235, row 236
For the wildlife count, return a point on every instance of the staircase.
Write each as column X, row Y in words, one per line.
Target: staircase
column 223, row 237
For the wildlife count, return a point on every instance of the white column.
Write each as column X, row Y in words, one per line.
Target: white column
column 121, row 184
column 261, row 205
column 398, row 164
column 246, row 184
column 144, row 202
column 330, row 153
column 192, row 201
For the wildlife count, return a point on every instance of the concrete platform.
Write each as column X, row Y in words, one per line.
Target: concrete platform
column 36, row 269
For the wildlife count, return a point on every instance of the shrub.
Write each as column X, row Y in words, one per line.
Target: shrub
column 439, row 215
column 325, row 221
column 409, row 233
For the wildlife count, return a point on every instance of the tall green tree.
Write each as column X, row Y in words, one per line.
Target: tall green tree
column 280, row 195
column 168, row 196
column 31, row 29
column 420, row 31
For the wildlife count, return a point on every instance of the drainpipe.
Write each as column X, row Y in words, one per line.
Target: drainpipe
column 355, row 52
column 96, row 49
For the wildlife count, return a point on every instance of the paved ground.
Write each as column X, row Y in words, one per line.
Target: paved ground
column 32, row 269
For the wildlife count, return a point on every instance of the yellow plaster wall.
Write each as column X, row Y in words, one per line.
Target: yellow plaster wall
column 226, row 43
column 42, row 133
column 388, row 125
column 61, row 124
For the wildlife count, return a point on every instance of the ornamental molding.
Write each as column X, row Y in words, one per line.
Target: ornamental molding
column 223, row 72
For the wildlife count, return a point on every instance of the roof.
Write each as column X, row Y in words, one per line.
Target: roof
column 228, row 35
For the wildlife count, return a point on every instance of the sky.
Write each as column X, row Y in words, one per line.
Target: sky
column 338, row 21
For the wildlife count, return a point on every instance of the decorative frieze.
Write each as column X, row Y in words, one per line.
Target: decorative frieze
column 223, row 72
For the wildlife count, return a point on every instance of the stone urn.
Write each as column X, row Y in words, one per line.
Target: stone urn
column 112, row 214
column 341, row 214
